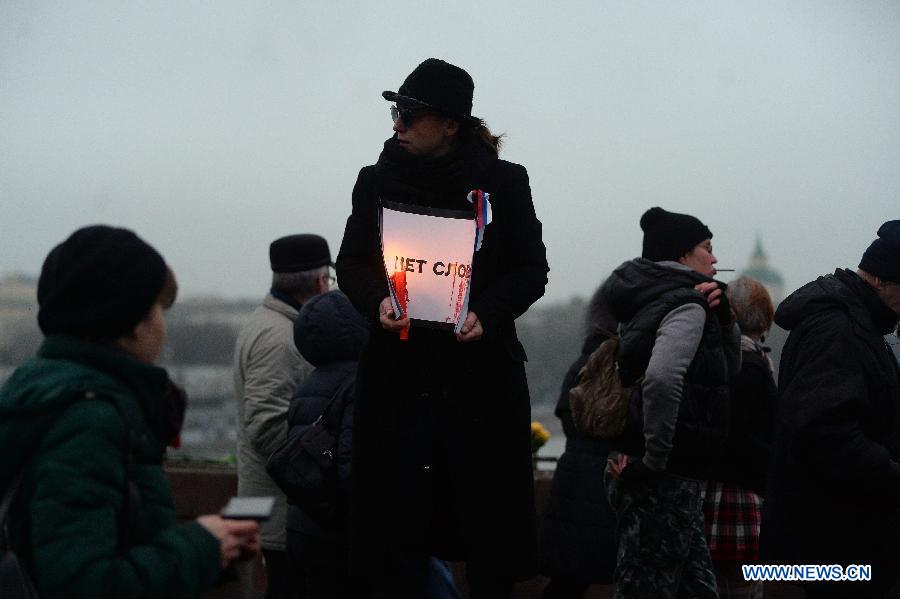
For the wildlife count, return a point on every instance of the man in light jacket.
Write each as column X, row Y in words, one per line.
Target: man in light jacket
column 267, row 370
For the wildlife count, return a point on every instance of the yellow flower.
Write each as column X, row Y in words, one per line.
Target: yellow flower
column 539, row 436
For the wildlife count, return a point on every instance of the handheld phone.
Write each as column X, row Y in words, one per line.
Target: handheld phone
column 249, row 508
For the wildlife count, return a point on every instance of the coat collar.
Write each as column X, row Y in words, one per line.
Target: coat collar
column 145, row 380
column 273, row 303
column 882, row 318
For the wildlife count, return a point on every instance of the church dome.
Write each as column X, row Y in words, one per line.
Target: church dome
column 760, row 270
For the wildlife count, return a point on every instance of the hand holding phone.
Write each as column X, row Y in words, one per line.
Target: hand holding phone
column 238, row 539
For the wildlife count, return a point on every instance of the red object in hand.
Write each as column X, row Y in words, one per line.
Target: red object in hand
column 399, row 281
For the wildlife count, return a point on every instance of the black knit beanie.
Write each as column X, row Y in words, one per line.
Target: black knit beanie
column 670, row 235
column 99, row 284
column 882, row 258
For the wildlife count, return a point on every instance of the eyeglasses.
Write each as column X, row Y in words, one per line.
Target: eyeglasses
column 328, row 278
column 406, row 115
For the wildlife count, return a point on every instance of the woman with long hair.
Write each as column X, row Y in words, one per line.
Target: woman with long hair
column 442, row 445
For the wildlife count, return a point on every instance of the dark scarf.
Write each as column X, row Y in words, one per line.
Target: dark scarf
column 286, row 298
column 435, row 182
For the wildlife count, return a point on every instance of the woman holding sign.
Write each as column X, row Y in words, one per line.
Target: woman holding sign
column 442, row 238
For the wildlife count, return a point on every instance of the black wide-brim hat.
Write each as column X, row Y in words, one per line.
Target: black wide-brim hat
column 440, row 86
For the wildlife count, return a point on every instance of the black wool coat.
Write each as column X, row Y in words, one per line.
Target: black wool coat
column 745, row 458
column 578, row 531
column 442, row 443
column 834, row 485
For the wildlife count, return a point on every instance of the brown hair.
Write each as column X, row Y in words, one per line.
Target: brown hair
column 169, row 290
column 481, row 133
column 752, row 305
column 598, row 317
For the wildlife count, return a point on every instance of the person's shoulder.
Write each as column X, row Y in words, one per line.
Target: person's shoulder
column 753, row 358
column 684, row 300
column 507, row 180
column 93, row 417
column 277, row 310
column 271, row 325
column 267, row 316
column 366, row 174
column 831, row 321
column 506, row 169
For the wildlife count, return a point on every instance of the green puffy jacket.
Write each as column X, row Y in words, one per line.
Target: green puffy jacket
column 81, row 416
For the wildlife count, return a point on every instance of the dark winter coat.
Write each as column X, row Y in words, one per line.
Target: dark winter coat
column 442, row 443
column 578, row 528
column 834, row 487
column 330, row 335
column 88, row 419
column 642, row 293
column 745, row 460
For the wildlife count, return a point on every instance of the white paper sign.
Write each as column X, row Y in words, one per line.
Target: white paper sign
column 431, row 254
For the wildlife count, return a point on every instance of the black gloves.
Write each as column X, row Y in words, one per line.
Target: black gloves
column 637, row 472
column 723, row 311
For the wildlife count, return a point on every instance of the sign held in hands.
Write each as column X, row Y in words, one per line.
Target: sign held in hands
column 428, row 262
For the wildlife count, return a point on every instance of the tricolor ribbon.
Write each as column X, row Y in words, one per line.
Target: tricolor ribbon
column 481, row 202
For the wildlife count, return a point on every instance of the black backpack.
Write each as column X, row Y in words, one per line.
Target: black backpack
column 304, row 467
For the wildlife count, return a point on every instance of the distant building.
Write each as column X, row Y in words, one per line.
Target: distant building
column 760, row 270
column 213, row 310
column 19, row 334
column 18, row 296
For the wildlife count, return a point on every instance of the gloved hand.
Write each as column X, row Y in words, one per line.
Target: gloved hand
column 723, row 311
column 714, row 291
column 638, row 472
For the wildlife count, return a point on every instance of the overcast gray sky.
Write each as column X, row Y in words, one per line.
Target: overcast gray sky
column 212, row 128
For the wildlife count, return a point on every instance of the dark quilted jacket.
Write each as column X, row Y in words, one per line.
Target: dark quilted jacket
column 330, row 334
column 76, row 411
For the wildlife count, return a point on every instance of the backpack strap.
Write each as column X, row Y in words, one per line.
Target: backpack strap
column 340, row 390
column 5, row 505
column 131, row 501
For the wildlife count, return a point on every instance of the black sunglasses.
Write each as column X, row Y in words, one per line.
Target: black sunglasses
column 406, row 115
